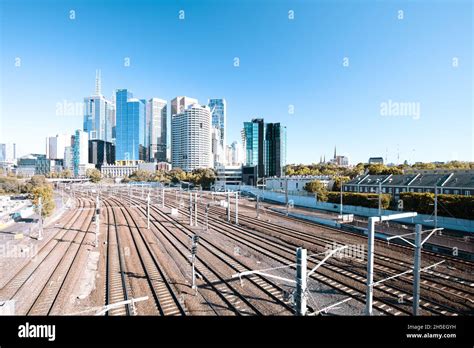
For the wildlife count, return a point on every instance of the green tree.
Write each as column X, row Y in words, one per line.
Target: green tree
column 140, row 175
column 337, row 182
column 94, row 175
column 176, row 175
column 66, row 173
column 46, row 193
column 204, row 177
column 9, row 184
column 318, row 188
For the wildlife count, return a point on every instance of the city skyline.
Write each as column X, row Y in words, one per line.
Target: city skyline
column 314, row 74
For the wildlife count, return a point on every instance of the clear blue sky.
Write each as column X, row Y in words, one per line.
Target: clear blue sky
column 282, row 62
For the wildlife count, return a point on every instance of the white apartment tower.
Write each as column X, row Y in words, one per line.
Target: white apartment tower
column 191, row 146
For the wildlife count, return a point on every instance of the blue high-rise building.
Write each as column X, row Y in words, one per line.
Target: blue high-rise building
column 130, row 127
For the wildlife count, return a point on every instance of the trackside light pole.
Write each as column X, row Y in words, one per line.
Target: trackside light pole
column 195, row 209
column 286, row 194
column 148, row 211
column 194, row 240
column 163, row 198
column 228, row 206
column 258, row 207
column 97, row 221
column 340, row 203
column 416, row 270
column 436, row 207
column 236, row 207
column 301, row 281
column 40, row 208
column 190, row 208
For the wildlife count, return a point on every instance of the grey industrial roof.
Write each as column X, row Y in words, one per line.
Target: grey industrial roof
column 461, row 180
column 399, row 180
column 373, row 179
column 430, row 180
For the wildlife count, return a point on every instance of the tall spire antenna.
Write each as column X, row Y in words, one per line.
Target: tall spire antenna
column 334, row 151
column 97, row 82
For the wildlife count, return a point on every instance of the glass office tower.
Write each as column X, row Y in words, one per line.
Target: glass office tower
column 130, row 127
column 218, row 112
column 275, row 149
column 157, row 124
column 265, row 147
column 253, row 140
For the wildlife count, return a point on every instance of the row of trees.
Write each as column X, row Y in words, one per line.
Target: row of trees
column 198, row 177
column 369, row 200
column 320, row 189
column 36, row 187
column 66, row 173
column 374, row 169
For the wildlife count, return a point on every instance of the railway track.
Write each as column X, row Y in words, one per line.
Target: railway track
column 392, row 262
column 398, row 247
column 116, row 286
column 164, row 296
column 385, row 266
column 54, row 260
column 51, row 292
column 431, row 307
column 270, row 289
column 233, row 301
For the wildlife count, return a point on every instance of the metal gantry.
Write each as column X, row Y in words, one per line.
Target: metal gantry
column 370, row 254
column 417, row 261
column 301, row 277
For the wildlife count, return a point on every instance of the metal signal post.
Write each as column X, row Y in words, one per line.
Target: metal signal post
column 194, row 244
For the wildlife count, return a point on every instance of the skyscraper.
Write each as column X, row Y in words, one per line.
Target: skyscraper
column 275, row 149
column 80, row 152
column 101, row 152
column 254, row 142
column 157, row 119
column 234, row 154
column 55, row 146
column 218, row 153
column 179, row 104
column 219, row 114
column 8, row 152
column 98, row 114
column 130, row 128
column 265, row 147
column 191, row 138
